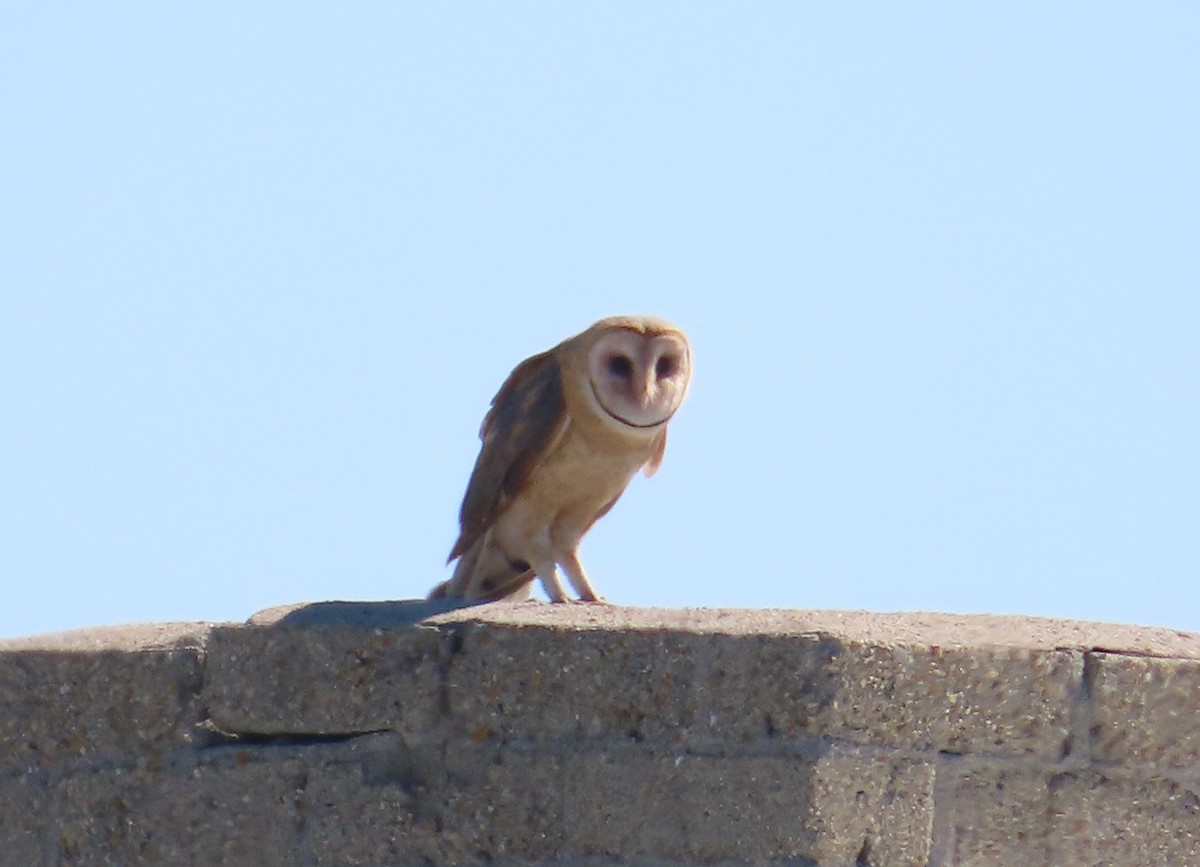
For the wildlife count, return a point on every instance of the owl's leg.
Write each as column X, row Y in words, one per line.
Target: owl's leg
column 578, row 578
column 548, row 575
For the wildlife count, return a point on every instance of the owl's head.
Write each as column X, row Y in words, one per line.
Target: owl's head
column 639, row 369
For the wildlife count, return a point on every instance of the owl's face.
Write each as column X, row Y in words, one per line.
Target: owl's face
column 639, row 376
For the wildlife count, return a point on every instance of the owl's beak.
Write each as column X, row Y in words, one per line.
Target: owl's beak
column 649, row 376
column 649, row 381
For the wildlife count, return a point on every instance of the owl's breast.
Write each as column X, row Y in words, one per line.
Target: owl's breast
column 568, row 490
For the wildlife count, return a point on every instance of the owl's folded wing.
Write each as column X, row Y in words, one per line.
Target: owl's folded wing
column 527, row 417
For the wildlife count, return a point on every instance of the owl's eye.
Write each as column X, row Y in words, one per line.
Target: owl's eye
column 621, row 366
column 665, row 366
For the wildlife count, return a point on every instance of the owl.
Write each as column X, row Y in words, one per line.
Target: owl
column 563, row 437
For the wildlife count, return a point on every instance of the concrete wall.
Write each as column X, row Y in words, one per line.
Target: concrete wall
column 340, row 734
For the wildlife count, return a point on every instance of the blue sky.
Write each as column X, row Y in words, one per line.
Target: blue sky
column 264, row 266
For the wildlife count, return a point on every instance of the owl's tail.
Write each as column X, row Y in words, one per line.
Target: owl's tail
column 485, row 573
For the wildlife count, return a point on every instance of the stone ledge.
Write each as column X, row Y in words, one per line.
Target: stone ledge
column 1008, row 686
column 387, row 733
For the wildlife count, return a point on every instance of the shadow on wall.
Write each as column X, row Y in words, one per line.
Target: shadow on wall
column 370, row 615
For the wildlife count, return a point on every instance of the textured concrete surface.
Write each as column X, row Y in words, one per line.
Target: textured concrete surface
column 417, row 733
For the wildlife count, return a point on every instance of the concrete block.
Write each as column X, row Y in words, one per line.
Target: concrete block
column 763, row 687
column 361, row 802
column 1131, row 819
column 634, row 803
column 544, row 683
column 241, row 810
column 640, row 803
column 693, row 687
column 989, row 700
column 322, row 679
column 503, row 802
column 869, row 809
column 999, row 818
column 57, row 705
column 1038, row 817
column 1145, row 711
column 354, row 816
column 1005, row 701
column 26, row 821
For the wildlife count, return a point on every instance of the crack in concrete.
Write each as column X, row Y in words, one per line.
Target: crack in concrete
column 214, row 738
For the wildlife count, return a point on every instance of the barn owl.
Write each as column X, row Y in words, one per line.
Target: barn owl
column 563, row 437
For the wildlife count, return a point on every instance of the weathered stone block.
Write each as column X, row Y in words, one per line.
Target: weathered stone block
column 640, row 803
column 58, row 704
column 1145, row 711
column 1001, row 818
column 1006, row 701
column 992, row 700
column 868, row 809
column 1038, row 817
column 26, row 827
column 1133, row 820
column 530, row 803
column 239, row 810
column 503, row 802
column 322, row 679
column 361, row 802
column 636, row 803
column 681, row 687
column 542, row 683
column 375, row 803
column 761, row 687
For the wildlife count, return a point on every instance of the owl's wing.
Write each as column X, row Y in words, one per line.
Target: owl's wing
column 660, row 446
column 527, row 416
